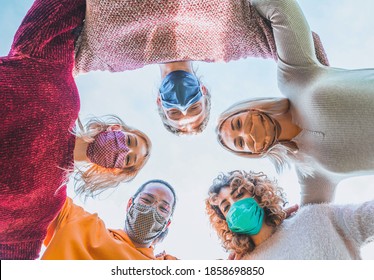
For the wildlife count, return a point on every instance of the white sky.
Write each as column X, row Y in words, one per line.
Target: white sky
column 191, row 163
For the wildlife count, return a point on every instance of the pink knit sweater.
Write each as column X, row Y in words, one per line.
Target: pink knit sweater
column 39, row 105
column 121, row 35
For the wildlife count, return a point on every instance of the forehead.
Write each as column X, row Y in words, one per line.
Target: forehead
column 159, row 191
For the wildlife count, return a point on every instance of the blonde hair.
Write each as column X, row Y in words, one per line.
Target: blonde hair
column 92, row 179
column 282, row 153
column 266, row 192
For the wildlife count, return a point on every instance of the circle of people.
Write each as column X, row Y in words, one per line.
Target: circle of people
column 43, row 140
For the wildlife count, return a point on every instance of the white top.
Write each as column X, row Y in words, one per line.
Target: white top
column 320, row 232
column 334, row 107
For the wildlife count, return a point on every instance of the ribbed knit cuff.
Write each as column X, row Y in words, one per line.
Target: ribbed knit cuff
column 28, row 250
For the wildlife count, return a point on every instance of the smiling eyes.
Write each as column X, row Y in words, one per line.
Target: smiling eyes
column 148, row 201
column 193, row 110
column 132, row 143
column 239, row 142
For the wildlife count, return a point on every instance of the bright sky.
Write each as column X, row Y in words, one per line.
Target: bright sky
column 191, row 163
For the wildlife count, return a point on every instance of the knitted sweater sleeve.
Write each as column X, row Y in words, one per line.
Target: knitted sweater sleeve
column 292, row 34
column 49, row 30
column 317, row 188
column 356, row 221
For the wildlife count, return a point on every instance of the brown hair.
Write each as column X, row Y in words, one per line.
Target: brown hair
column 267, row 193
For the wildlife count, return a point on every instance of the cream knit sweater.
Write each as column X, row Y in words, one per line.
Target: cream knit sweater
column 320, row 232
column 121, row 35
column 334, row 107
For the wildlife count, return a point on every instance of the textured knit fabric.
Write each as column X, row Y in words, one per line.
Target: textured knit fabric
column 78, row 235
column 121, row 35
column 320, row 232
column 40, row 104
column 334, row 107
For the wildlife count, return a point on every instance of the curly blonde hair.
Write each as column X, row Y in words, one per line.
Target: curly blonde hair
column 266, row 192
column 92, row 179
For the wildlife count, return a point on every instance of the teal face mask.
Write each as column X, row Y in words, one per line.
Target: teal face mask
column 245, row 216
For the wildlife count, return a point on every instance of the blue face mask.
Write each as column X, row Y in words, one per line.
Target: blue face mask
column 180, row 89
column 245, row 216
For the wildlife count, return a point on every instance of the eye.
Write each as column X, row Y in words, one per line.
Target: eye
column 163, row 209
column 127, row 160
column 226, row 208
column 241, row 142
column 195, row 107
column 238, row 123
column 239, row 195
column 145, row 200
column 128, row 140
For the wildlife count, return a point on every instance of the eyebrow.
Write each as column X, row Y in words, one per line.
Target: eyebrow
column 232, row 124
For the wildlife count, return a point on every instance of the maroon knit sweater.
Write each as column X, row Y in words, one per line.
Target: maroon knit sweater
column 39, row 105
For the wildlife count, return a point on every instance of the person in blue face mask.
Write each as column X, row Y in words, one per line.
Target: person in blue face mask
column 246, row 211
column 183, row 102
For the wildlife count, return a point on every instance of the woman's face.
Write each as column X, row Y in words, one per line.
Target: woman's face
column 115, row 148
column 251, row 131
column 228, row 196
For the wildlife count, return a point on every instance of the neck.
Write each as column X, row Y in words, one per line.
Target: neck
column 80, row 150
column 167, row 68
column 288, row 130
column 265, row 232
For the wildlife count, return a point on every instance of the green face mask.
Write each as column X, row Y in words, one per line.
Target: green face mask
column 245, row 216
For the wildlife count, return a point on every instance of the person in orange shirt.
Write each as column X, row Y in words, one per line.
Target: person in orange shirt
column 78, row 235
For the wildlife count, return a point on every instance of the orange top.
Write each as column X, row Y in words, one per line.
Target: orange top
column 78, row 235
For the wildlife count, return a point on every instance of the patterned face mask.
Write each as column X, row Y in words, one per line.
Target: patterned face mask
column 143, row 223
column 109, row 149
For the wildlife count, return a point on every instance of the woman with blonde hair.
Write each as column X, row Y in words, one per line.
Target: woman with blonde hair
column 108, row 152
column 324, row 126
column 246, row 211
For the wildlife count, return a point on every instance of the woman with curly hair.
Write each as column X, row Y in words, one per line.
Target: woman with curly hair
column 245, row 209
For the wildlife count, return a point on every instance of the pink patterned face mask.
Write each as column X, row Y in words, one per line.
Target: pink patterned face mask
column 109, row 149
